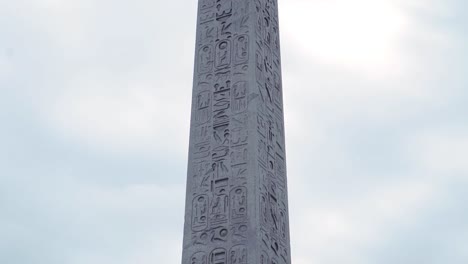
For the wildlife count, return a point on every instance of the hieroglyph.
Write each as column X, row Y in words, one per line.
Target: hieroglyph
column 236, row 206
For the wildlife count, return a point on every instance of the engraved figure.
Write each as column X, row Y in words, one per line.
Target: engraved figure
column 218, row 256
column 264, row 258
column 239, row 136
column 224, row 30
column 200, row 238
column 241, row 49
column 259, row 60
column 201, row 133
column 271, row 132
column 221, row 135
column 264, row 208
column 273, row 206
column 284, row 254
column 201, row 176
column 203, row 100
column 261, row 125
column 219, row 170
column 198, row 258
column 204, row 4
column 274, row 261
column 239, row 232
column 283, row 226
column 268, row 59
column 207, row 16
column 205, row 56
column 220, row 234
column 223, row 81
column 239, row 155
column 201, row 150
column 280, row 170
column 242, row 25
column 259, row 24
column 275, row 39
column 263, row 175
column 239, row 173
column 221, row 105
column 200, row 213
column 203, row 107
column 283, row 219
column 277, row 91
column 238, row 255
column 223, row 54
column 262, row 151
column 208, row 33
column 239, row 121
column 224, row 9
column 220, row 153
column 265, row 238
column 219, row 209
column 220, row 186
column 239, row 97
column 274, row 247
column 238, row 204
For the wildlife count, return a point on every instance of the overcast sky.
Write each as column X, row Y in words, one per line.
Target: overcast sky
column 94, row 121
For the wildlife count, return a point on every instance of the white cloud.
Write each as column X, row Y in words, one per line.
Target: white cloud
column 109, row 81
column 441, row 151
column 344, row 231
column 362, row 35
column 121, row 113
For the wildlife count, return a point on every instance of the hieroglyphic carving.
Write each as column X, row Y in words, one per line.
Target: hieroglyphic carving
column 239, row 97
column 201, row 238
column 223, row 53
column 223, row 8
column 200, row 213
column 205, row 59
column 201, row 176
column 218, row 256
column 238, row 255
column 239, row 136
column 273, row 211
column 237, row 153
column 219, row 133
column 198, row 258
column 206, row 16
column 204, row 4
column 241, row 49
column 239, row 232
column 263, row 258
column 203, row 107
column 219, row 234
column 201, row 150
column 219, row 209
column 208, row 33
column 238, row 204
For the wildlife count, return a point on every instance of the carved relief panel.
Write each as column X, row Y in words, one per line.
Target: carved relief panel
column 273, row 210
column 237, row 155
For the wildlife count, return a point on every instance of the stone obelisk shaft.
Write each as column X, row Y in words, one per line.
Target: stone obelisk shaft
column 236, row 206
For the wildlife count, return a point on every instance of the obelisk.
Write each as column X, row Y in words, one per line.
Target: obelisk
column 237, row 204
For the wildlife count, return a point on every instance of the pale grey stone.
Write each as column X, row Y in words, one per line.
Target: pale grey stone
column 236, row 205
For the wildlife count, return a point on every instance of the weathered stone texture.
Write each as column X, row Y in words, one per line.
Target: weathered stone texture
column 236, row 205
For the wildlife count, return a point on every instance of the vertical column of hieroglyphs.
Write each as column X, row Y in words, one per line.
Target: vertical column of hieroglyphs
column 218, row 190
column 272, row 187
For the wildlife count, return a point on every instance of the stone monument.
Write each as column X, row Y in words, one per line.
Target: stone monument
column 237, row 205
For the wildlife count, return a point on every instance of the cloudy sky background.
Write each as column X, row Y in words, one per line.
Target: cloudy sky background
column 94, row 117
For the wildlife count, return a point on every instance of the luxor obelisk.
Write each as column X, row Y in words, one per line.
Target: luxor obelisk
column 237, row 206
